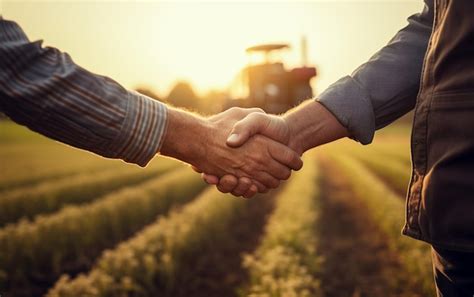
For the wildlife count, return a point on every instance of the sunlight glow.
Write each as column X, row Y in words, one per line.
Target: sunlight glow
column 158, row 43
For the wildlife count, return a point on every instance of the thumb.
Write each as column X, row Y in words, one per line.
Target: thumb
column 252, row 124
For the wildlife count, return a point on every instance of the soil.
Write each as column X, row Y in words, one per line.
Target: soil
column 358, row 261
column 220, row 273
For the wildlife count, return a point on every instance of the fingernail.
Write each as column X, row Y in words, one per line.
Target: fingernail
column 233, row 138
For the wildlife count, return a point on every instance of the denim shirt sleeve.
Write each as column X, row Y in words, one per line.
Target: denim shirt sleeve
column 384, row 88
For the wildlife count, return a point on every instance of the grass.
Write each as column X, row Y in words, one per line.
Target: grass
column 83, row 205
column 391, row 170
column 387, row 211
column 50, row 196
column 150, row 263
column 38, row 251
column 286, row 262
column 28, row 158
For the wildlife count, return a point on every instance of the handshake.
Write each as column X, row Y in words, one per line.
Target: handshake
column 245, row 151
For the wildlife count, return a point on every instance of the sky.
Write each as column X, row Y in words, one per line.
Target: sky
column 157, row 43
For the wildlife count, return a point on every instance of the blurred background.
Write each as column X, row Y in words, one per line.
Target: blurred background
column 197, row 50
column 75, row 224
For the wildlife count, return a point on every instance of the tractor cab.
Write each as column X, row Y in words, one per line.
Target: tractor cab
column 269, row 85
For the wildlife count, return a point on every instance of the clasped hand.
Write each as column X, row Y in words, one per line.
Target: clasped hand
column 249, row 152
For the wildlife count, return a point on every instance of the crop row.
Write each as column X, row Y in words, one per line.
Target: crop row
column 387, row 211
column 393, row 171
column 151, row 263
column 20, row 179
column 286, row 262
column 395, row 151
column 51, row 196
column 68, row 240
column 25, row 164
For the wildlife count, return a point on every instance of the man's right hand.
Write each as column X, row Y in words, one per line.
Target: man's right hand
column 259, row 161
column 271, row 126
column 307, row 126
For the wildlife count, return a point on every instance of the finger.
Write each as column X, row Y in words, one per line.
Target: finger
column 242, row 187
column 247, row 127
column 251, row 192
column 210, row 179
column 267, row 180
column 196, row 169
column 285, row 155
column 260, row 187
column 271, row 126
column 278, row 170
column 227, row 183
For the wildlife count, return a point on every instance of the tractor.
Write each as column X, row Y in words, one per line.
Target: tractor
column 269, row 85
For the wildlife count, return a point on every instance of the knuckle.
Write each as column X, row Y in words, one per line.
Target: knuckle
column 236, row 111
column 254, row 116
column 257, row 110
column 245, row 183
column 260, row 117
column 289, row 156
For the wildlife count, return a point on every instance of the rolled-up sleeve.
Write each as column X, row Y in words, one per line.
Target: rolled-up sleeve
column 43, row 89
column 384, row 88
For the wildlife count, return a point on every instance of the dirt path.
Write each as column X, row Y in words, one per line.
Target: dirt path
column 218, row 272
column 357, row 259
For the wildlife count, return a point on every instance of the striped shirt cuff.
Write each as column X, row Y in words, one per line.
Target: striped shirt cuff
column 143, row 130
column 351, row 105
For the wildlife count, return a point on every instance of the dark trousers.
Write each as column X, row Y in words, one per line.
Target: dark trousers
column 453, row 272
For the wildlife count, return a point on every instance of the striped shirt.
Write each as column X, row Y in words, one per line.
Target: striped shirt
column 43, row 89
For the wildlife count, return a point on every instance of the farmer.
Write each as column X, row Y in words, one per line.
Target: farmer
column 429, row 66
column 43, row 89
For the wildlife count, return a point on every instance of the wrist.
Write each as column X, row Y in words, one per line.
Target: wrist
column 295, row 141
column 185, row 137
column 303, row 125
column 311, row 125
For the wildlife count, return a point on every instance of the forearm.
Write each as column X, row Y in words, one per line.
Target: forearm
column 311, row 125
column 185, row 138
column 43, row 89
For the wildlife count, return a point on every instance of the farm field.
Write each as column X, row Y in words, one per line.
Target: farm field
column 75, row 224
